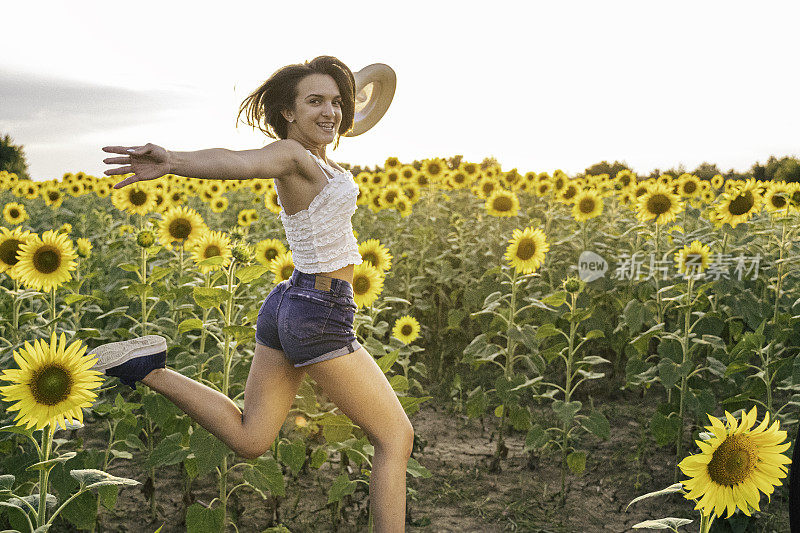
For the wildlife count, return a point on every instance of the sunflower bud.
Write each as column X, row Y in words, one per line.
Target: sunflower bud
column 145, row 239
column 573, row 285
column 243, row 253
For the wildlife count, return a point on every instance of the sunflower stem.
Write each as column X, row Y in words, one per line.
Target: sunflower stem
column 684, row 377
column 44, row 473
column 53, row 310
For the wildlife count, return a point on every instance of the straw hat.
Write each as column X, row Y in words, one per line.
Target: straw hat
column 375, row 86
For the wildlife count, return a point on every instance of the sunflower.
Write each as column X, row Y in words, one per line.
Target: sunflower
column 502, row 203
column 776, row 199
column 282, row 266
column 526, row 249
column 84, row 247
column 693, row 260
column 739, row 204
column 212, row 244
column 10, row 242
column 53, row 383
column 181, row 224
column 378, row 255
column 244, row 218
column 588, row 204
column 135, row 198
column 219, row 204
column 406, row 328
column 15, row 213
column 659, row 203
column 367, row 283
column 688, row 185
column 403, row 206
column 52, row 196
column 411, row 190
column 389, row 194
column 735, row 463
column 717, row 181
column 391, row 162
column 268, row 249
column 44, row 263
column 568, row 193
column 103, row 190
column 434, row 168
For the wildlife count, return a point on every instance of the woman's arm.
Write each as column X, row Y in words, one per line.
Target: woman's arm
column 151, row 161
column 270, row 162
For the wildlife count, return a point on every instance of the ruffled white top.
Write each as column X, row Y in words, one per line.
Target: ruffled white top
column 321, row 237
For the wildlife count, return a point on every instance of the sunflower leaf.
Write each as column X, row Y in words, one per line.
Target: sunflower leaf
column 663, row 523
column 18, row 430
column 249, row 273
column 676, row 487
column 50, row 463
column 91, row 478
column 6, row 481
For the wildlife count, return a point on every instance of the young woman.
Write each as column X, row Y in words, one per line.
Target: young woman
column 306, row 323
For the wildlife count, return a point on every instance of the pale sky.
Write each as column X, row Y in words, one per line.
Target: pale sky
column 546, row 86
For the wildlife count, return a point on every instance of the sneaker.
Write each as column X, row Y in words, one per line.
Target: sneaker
column 133, row 359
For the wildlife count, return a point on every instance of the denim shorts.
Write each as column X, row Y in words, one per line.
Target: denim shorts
column 309, row 317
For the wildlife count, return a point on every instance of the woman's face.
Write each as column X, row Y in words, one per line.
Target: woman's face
column 317, row 111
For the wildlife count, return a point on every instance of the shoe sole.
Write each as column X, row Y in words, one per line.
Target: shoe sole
column 116, row 353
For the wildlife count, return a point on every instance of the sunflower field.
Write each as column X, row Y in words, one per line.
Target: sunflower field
column 622, row 340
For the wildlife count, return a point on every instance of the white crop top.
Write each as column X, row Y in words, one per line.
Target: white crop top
column 321, row 237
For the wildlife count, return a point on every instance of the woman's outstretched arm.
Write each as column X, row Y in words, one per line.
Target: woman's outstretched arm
column 152, row 161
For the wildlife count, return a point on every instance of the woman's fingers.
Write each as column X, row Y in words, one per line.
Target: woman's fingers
column 118, row 171
column 116, row 160
column 126, row 181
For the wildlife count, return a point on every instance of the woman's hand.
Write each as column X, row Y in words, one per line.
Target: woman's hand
column 147, row 162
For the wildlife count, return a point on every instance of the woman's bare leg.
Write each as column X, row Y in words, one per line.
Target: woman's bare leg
column 355, row 383
column 269, row 393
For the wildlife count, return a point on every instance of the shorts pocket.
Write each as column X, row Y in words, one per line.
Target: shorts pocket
column 307, row 315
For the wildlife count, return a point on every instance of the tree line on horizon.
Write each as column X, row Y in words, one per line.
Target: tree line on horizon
column 12, row 160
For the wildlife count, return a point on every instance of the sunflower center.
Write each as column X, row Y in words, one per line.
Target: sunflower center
column 14, row 212
column 361, row 285
column 53, row 195
column 212, row 251
column 569, row 192
column 525, row 249
column 270, row 254
column 180, row 228
column 586, row 205
column 406, row 329
column 503, row 203
column 733, row 461
column 371, row 258
column 778, row 201
column 658, row 204
column 8, row 251
column 742, row 204
column 286, row 273
column 46, row 259
column 138, row 198
column 50, row 385
column 689, row 187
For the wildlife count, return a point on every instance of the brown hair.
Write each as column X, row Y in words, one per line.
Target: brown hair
column 280, row 91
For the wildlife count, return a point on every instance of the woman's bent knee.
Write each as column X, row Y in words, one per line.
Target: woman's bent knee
column 400, row 442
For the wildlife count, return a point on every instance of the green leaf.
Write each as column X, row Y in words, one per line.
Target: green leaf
column 594, row 360
column 477, row 403
column 292, row 454
column 663, row 523
column 598, row 424
column 536, row 438
column 547, row 330
column 208, row 450
column 6, row 481
column 50, row 463
column 566, row 411
column 399, row 383
column 668, row 372
column 209, row 297
column 190, row 324
column 318, row 457
column 70, row 299
column 265, row 476
column 417, row 470
column 556, row 299
column 200, row 519
column 249, row 273
column 341, row 487
column 520, row 417
column 664, row 429
column 335, row 428
column 91, row 478
column 386, row 362
column 168, row 452
column 240, row 333
column 138, row 289
column 129, row 267
column 576, row 461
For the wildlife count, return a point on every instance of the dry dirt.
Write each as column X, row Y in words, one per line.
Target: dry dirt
column 462, row 495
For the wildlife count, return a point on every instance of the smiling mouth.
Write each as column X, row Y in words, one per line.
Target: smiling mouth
column 327, row 127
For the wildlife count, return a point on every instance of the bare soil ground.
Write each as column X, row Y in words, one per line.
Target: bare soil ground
column 462, row 495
